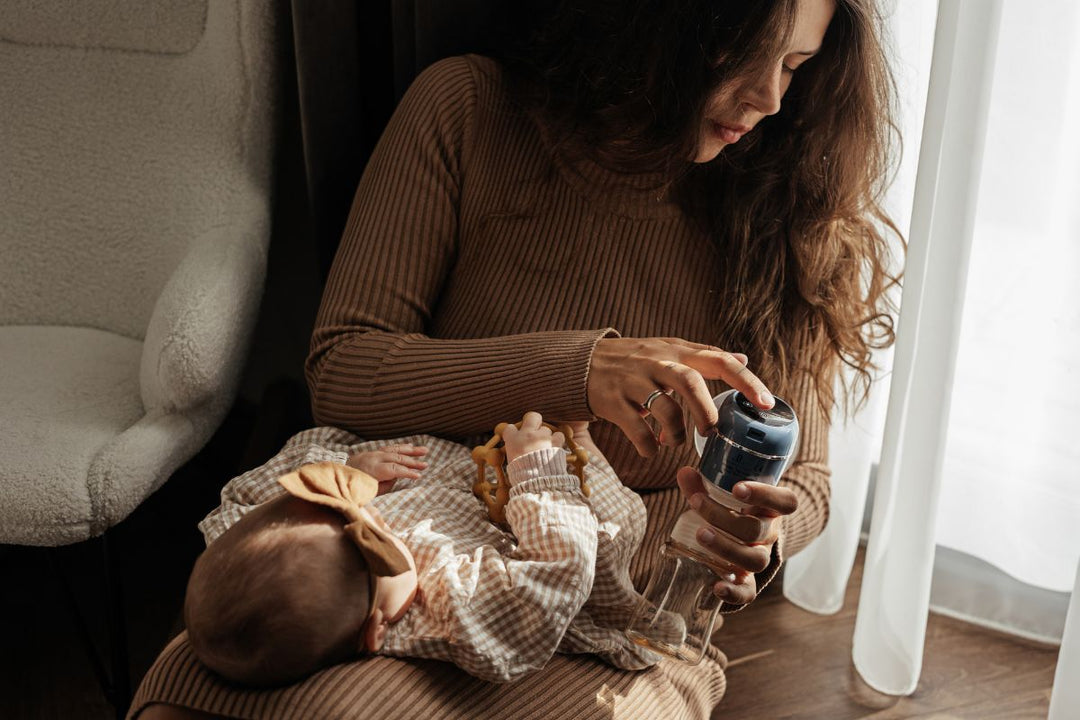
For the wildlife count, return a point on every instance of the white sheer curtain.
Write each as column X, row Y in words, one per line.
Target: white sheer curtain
column 978, row 432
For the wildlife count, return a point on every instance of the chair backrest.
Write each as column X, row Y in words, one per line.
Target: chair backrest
column 127, row 130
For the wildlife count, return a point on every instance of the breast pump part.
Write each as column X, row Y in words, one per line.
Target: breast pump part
column 677, row 612
column 747, row 443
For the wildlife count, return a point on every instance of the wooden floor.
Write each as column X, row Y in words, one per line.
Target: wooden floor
column 785, row 662
column 789, row 663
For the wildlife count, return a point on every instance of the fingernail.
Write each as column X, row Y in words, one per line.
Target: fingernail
column 696, row 499
column 767, row 399
column 705, row 536
column 741, row 491
column 723, row 591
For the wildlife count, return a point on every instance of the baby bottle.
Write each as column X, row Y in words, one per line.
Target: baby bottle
column 675, row 615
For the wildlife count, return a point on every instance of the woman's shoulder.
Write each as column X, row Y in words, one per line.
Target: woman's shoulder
column 463, row 100
column 462, row 78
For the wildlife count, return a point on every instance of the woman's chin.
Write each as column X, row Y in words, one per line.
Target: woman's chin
column 709, row 151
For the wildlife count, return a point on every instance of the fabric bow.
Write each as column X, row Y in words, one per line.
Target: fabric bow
column 348, row 490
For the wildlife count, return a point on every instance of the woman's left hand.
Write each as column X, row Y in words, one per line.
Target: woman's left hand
column 741, row 541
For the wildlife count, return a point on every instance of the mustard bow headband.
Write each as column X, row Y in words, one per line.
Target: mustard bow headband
column 348, row 490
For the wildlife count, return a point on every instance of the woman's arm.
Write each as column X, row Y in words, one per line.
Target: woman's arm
column 373, row 367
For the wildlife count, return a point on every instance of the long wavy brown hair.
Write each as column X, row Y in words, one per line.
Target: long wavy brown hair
column 795, row 207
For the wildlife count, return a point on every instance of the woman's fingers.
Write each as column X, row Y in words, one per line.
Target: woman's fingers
column 764, row 500
column 689, row 385
column 756, row 524
column 751, row 558
column 624, row 372
column 722, row 365
column 667, row 412
column 738, row 540
column 737, row 590
column 636, row 430
column 741, row 357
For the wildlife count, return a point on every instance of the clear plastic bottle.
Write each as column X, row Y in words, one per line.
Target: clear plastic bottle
column 676, row 614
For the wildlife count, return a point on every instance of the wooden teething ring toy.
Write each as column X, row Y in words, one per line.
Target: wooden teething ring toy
column 492, row 454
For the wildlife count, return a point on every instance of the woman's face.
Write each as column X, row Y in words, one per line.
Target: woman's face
column 743, row 101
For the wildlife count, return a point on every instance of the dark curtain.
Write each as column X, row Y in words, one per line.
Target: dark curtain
column 354, row 60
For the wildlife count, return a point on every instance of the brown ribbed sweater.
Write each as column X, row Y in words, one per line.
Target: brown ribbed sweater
column 478, row 270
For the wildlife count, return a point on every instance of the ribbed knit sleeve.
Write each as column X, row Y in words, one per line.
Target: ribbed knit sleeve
column 373, row 368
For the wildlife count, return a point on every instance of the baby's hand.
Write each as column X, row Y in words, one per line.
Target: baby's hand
column 391, row 463
column 531, row 436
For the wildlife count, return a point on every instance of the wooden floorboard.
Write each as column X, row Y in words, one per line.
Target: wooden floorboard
column 785, row 662
column 790, row 663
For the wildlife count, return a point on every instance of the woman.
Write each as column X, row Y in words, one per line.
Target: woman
column 669, row 179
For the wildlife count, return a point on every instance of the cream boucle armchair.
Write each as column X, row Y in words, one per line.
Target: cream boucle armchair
column 135, row 174
column 135, row 147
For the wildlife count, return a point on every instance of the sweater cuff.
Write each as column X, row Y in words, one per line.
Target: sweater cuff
column 317, row 454
column 536, row 464
column 540, row 471
column 606, row 333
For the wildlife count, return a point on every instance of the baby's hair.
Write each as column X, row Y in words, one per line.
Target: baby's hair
column 280, row 595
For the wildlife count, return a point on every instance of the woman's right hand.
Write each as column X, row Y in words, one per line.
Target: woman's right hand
column 624, row 372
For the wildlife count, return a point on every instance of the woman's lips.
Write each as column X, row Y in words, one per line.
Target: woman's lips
column 729, row 133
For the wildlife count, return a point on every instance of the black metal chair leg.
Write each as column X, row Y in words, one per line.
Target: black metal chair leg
column 116, row 685
column 81, row 629
column 118, row 643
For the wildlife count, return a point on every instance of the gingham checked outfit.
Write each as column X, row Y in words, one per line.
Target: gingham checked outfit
column 497, row 604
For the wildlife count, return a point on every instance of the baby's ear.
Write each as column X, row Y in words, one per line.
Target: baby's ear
column 375, row 632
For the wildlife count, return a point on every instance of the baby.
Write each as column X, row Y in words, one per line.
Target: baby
column 308, row 565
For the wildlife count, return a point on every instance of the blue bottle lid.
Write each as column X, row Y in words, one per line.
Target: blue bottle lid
column 747, row 443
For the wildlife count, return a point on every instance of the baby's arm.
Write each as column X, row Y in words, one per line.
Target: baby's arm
column 259, row 485
column 505, row 613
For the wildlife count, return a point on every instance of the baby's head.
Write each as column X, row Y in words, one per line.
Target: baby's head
column 288, row 590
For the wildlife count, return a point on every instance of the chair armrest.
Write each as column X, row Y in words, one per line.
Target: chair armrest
column 198, row 335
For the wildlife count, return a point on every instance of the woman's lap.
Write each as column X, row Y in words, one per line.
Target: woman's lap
column 570, row 686
column 389, row 688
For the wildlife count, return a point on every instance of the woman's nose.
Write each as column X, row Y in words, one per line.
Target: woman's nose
column 764, row 90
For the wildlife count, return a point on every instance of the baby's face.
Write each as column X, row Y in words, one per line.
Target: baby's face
column 391, row 596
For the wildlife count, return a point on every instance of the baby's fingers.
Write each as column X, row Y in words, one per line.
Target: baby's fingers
column 406, row 449
column 388, row 470
column 404, row 459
